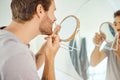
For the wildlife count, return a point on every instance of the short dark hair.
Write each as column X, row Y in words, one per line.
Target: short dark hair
column 117, row 13
column 23, row 10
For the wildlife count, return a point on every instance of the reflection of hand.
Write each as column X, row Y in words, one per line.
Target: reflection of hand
column 99, row 38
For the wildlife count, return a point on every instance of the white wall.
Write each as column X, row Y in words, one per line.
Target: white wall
column 5, row 12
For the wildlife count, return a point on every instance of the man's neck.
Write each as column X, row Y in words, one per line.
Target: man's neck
column 25, row 32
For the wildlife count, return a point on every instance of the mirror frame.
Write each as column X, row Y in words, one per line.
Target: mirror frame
column 112, row 46
column 76, row 29
column 102, row 32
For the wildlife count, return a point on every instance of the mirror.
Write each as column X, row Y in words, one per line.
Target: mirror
column 69, row 27
column 110, row 33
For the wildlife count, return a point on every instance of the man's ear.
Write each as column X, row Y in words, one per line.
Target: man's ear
column 39, row 10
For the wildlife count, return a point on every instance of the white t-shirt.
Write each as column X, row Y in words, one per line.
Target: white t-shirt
column 16, row 60
column 113, row 65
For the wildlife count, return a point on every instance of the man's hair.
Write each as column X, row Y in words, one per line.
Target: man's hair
column 117, row 13
column 23, row 10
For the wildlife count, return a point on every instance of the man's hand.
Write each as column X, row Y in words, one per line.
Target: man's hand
column 40, row 56
column 53, row 43
column 52, row 46
column 51, row 49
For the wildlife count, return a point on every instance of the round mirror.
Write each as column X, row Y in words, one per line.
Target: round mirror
column 108, row 30
column 111, row 35
column 69, row 27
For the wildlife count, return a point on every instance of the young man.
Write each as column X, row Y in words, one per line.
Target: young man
column 113, row 64
column 29, row 19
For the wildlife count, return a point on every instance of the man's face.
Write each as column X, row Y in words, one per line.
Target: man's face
column 117, row 23
column 117, row 27
column 48, row 20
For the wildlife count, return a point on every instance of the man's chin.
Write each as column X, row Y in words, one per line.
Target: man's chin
column 50, row 33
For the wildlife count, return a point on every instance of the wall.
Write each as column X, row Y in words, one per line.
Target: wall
column 5, row 12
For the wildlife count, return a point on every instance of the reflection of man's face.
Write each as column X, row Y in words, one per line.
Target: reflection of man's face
column 117, row 23
column 117, row 26
column 48, row 20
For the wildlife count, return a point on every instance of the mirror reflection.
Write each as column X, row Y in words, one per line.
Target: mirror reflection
column 107, row 29
column 110, row 33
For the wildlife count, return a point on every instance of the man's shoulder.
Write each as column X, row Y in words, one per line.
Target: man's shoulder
column 10, row 42
column 10, row 46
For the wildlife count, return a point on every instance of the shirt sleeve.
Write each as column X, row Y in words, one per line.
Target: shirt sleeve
column 106, row 49
column 20, row 67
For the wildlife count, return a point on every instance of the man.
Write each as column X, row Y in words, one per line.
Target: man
column 113, row 64
column 29, row 19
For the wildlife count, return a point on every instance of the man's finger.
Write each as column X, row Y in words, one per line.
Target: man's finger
column 57, row 29
column 49, row 41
